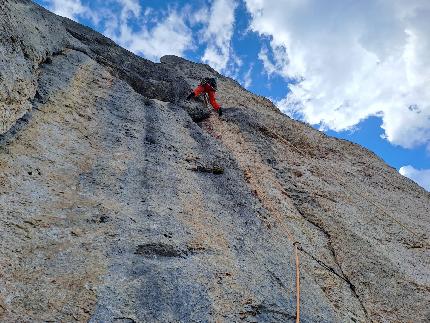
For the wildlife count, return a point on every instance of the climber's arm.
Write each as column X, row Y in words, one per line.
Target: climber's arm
column 199, row 90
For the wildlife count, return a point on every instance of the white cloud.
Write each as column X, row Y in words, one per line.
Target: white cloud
column 129, row 8
column 199, row 16
column 218, row 34
column 247, row 79
column 269, row 67
column 420, row 176
column 68, row 8
column 279, row 63
column 351, row 60
column 169, row 34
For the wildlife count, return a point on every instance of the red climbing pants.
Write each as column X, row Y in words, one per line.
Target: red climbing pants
column 211, row 93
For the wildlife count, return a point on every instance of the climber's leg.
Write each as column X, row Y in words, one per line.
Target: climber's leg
column 212, row 100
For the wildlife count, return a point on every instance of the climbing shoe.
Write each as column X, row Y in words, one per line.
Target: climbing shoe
column 220, row 111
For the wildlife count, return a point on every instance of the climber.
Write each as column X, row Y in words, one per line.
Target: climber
column 207, row 85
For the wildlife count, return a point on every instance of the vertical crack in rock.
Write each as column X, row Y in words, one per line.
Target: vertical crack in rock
column 332, row 270
column 302, row 200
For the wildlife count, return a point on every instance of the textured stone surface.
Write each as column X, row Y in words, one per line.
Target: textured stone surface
column 27, row 38
column 121, row 202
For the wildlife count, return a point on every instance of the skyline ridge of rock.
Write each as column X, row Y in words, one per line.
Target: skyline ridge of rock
column 122, row 202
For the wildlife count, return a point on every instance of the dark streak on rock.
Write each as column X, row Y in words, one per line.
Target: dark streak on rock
column 158, row 249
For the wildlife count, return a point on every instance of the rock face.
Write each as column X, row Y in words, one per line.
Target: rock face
column 121, row 202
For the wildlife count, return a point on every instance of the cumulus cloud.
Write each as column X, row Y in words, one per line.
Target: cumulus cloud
column 420, row 176
column 69, row 8
column 218, row 34
column 169, row 34
column 349, row 60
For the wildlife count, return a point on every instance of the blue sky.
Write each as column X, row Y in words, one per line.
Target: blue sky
column 358, row 70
